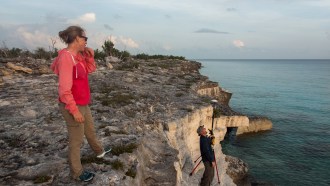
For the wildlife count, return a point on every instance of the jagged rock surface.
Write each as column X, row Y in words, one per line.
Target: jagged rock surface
column 135, row 105
column 238, row 170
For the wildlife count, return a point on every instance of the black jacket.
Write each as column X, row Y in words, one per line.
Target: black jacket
column 206, row 149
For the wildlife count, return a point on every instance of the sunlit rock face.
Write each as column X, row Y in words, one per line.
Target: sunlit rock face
column 213, row 90
column 256, row 124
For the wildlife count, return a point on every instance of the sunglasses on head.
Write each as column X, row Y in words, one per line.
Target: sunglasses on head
column 84, row 37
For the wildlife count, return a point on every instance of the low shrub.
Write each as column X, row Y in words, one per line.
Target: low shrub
column 120, row 149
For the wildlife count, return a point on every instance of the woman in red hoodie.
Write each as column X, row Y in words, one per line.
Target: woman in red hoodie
column 72, row 65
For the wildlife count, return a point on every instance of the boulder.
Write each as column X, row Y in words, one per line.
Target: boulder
column 19, row 68
column 237, row 170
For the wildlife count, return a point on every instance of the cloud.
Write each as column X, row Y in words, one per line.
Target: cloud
column 128, row 42
column 113, row 39
column 30, row 36
column 55, row 18
column 167, row 47
column 319, row 3
column 231, row 9
column 116, row 16
column 211, row 31
column 86, row 18
column 106, row 26
column 123, row 42
column 35, row 38
column 238, row 43
column 167, row 16
column 202, row 10
column 327, row 34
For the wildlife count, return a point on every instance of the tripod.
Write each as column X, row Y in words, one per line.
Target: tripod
column 213, row 102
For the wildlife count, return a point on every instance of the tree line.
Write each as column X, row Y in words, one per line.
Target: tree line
column 108, row 49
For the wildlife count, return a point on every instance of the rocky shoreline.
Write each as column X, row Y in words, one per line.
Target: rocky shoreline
column 146, row 110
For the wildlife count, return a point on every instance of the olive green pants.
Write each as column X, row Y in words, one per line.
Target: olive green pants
column 208, row 174
column 76, row 132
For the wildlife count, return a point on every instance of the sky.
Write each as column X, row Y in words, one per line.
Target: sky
column 195, row 29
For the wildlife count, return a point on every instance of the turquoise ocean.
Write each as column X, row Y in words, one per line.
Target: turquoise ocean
column 295, row 96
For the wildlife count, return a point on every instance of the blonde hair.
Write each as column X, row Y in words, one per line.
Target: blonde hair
column 69, row 34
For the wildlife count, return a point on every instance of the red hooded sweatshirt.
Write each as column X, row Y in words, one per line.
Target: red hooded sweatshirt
column 72, row 71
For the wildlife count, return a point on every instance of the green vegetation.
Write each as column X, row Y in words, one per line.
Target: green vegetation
column 117, row 99
column 187, row 109
column 117, row 164
column 14, row 52
column 146, row 57
column 120, row 149
column 206, row 99
column 106, row 89
column 108, row 49
column 14, row 141
column 163, row 64
column 128, row 66
column 94, row 159
column 179, row 94
column 131, row 172
column 41, row 53
column 114, row 95
column 217, row 113
column 41, row 179
column 107, row 132
column 130, row 113
column 98, row 54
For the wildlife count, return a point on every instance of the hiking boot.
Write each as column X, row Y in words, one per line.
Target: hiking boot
column 103, row 153
column 86, row 176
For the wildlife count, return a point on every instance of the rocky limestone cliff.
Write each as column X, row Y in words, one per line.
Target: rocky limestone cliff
column 182, row 135
column 256, row 124
column 147, row 111
column 213, row 90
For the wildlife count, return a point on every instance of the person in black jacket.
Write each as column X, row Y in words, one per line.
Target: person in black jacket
column 207, row 153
